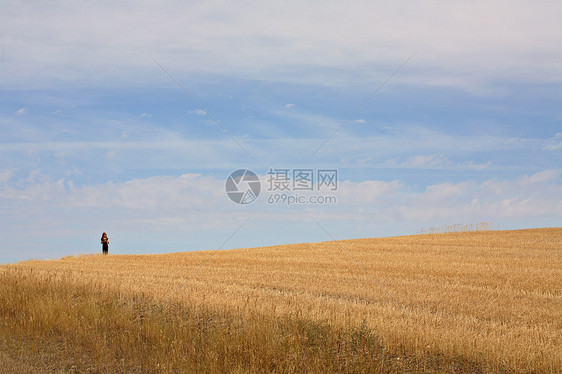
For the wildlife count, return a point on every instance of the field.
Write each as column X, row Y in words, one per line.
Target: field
column 451, row 302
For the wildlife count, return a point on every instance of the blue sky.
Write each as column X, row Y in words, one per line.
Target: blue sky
column 96, row 136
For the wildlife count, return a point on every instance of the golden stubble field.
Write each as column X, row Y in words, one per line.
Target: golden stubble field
column 466, row 302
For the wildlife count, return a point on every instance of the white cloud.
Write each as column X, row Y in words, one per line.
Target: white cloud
column 6, row 175
column 198, row 112
column 431, row 161
column 403, row 148
column 499, row 201
column 543, row 176
column 288, row 106
column 456, row 43
column 146, row 115
column 21, row 111
column 174, row 198
column 361, row 120
column 180, row 207
column 469, row 165
column 436, row 161
column 554, row 143
column 367, row 192
column 185, row 199
column 111, row 154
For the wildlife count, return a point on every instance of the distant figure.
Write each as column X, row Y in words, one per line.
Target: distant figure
column 105, row 243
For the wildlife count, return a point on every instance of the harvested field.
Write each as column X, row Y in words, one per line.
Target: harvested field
column 456, row 302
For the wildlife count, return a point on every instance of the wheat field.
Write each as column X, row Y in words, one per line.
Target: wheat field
column 451, row 302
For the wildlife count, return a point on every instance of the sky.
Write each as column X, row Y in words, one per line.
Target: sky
column 128, row 117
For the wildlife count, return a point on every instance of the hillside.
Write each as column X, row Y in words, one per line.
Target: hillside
column 458, row 302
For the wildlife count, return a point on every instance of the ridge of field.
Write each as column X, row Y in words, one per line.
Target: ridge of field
column 492, row 299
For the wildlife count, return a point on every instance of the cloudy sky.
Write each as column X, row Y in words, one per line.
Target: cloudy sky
column 127, row 117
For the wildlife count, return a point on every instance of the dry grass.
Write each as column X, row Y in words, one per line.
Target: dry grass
column 458, row 227
column 465, row 302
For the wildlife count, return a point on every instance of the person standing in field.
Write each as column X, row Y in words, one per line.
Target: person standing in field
column 105, row 243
